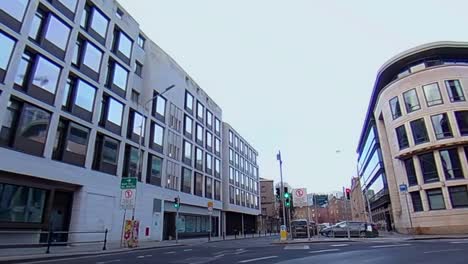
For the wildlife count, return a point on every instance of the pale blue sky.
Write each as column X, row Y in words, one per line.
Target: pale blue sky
column 295, row 75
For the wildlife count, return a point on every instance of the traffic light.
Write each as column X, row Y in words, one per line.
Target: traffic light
column 176, row 202
column 286, row 193
column 287, row 202
column 278, row 195
column 348, row 194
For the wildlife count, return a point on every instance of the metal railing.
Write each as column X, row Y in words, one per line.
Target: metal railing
column 51, row 237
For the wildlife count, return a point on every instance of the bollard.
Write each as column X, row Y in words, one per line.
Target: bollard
column 49, row 241
column 224, row 235
column 235, row 234
column 105, row 240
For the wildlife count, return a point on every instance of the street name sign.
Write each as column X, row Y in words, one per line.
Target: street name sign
column 128, row 183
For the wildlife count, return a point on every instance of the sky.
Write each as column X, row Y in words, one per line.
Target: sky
column 295, row 75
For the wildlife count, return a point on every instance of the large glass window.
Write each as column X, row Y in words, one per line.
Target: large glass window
column 106, row 154
column 131, row 162
column 217, row 167
column 14, row 8
column 188, row 124
column 188, row 101
column 411, row 172
column 46, row 75
column 217, row 126
column 158, row 134
column 154, row 170
column 21, row 204
column 186, row 186
column 455, row 90
column 119, row 76
column 395, row 107
column 458, row 196
column 411, row 101
column 85, row 94
column 428, row 167
column 199, row 132
column 451, row 164
column 187, row 151
column 209, row 163
column 115, row 111
column 138, row 124
column 208, row 187
column 217, row 145
column 7, row 45
column 71, row 143
column 36, row 25
column 57, row 33
column 441, row 126
column 432, row 94
column 198, row 159
column 69, row 4
column 402, row 137
column 462, row 121
column 436, row 199
column 209, row 119
column 418, row 127
column 217, row 190
column 123, row 43
column 200, row 110
column 33, row 124
column 231, row 137
column 417, row 202
column 209, row 140
column 92, row 57
column 161, row 106
column 198, row 187
column 99, row 23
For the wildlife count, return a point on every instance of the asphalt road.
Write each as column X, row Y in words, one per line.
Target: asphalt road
column 261, row 251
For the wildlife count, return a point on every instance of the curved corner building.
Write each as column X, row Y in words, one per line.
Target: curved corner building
column 415, row 138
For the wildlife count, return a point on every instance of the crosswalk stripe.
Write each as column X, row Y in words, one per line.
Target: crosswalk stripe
column 324, row 250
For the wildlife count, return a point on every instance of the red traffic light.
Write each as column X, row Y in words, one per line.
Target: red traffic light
column 348, row 190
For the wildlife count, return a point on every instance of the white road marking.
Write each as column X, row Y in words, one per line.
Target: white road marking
column 141, row 257
column 459, row 242
column 339, row 245
column 444, row 250
column 170, row 252
column 148, row 256
column 256, row 259
column 388, row 246
column 324, row 250
column 110, row 261
column 296, row 247
column 187, row 249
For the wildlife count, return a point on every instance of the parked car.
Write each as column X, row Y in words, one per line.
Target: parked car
column 323, row 226
column 299, row 228
column 356, row 229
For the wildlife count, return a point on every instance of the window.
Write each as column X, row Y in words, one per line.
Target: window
column 159, row 107
column 419, row 131
column 417, row 202
column 138, row 68
column 188, row 124
column 395, row 107
column 436, row 199
column 402, row 137
column 186, row 181
column 175, row 117
column 217, row 190
column 88, row 55
column 432, row 94
column 411, row 172
column 14, row 8
column 451, row 164
column 455, row 90
column 217, row 168
column 131, row 162
column 71, row 143
column 141, row 41
column 209, row 140
column 217, row 146
column 25, row 128
column 231, row 156
column 117, row 77
column 200, row 110
column 57, row 33
column 69, row 4
column 458, row 196
column 22, row 204
column 462, row 121
column 7, row 44
column 53, row 36
column 217, row 126
column 237, row 177
column 411, row 101
column 198, row 185
column 187, row 153
column 209, row 164
column 111, row 111
column 46, row 75
column 231, row 175
column 79, row 98
column 231, row 137
column 37, row 24
column 198, row 159
column 237, row 196
column 119, row 13
column 237, row 159
column 172, row 176
column 188, row 102
column 158, row 137
column 122, row 45
column 94, row 21
column 441, row 126
column 136, row 125
column 199, row 133
column 135, row 97
column 209, row 119
column 154, row 170
column 428, row 167
column 236, row 142
column 208, row 187
column 106, row 154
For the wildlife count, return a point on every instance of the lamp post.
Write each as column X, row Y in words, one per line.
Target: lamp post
column 278, row 157
column 140, row 136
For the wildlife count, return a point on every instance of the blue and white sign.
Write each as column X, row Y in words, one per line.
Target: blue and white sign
column 403, row 188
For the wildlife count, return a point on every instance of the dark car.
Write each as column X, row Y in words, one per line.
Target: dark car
column 299, row 228
column 356, row 229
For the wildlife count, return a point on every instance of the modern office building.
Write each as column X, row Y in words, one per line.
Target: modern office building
column 74, row 75
column 241, row 203
column 415, row 136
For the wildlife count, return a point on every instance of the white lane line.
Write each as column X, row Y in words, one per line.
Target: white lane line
column 296, row 247
column 389, row 246
column 324, row 250
column 141, row 257
column 339, row 245
column 170, row 252
column 459, row 242
column 148, row 256
column 187, row 249
column 257, row 259
column 110, row 261
column 444, row 250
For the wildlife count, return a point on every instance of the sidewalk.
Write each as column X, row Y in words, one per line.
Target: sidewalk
column 11, row 255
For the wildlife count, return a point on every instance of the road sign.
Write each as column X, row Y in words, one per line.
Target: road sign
column 300, row 197
column 210, row 207
column 128, row 183
column 127, row 199
column 403, row 188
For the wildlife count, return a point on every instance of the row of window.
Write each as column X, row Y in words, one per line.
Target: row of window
column 440, row 124
column 242, row 198
column 243, row 148
column 242, row 180
column 203, row 137
column 201, row 115
column 243, row 164
column 435, row 197
column 451, row 166
column 432, row 95
column 195, row 155
column 204, row 186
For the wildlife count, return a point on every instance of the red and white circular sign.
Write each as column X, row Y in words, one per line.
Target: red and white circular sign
column 128, row 194
column 299, row 192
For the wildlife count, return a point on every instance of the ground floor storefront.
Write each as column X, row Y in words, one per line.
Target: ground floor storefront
column 239, row 223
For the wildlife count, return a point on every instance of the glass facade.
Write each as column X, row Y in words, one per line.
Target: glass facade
column 7, row 45
column 21, row 204
column 14, row 8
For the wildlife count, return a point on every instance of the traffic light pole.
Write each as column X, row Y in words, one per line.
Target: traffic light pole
column 177, row 220
column 282, row 188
